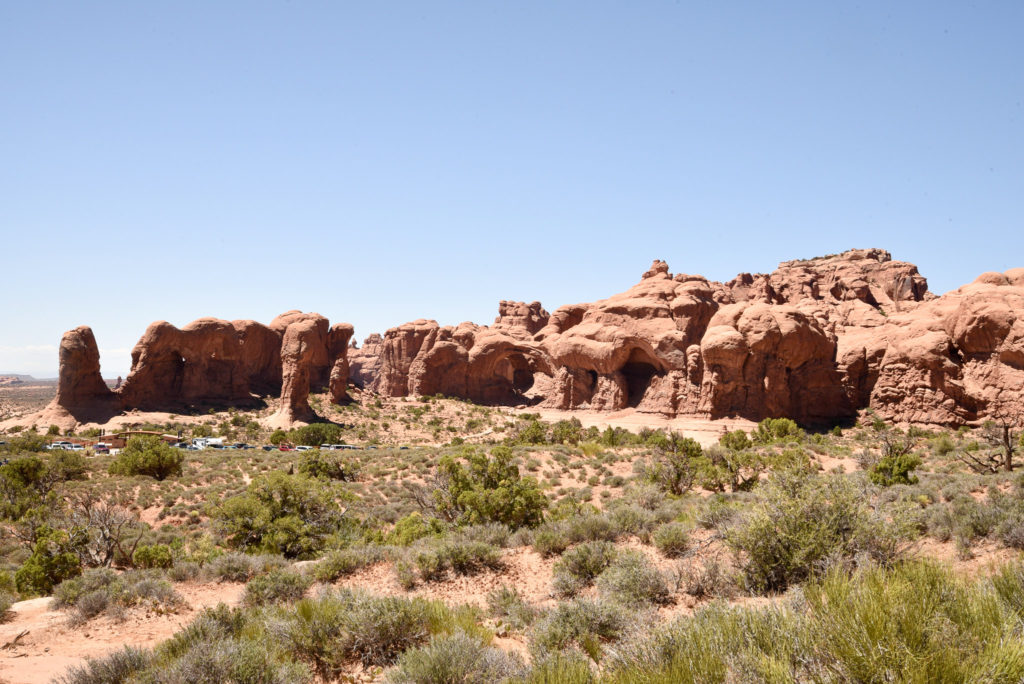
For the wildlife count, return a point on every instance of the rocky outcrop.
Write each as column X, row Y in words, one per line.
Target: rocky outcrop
column 816, row 340
column 209, row 363
column 82, row 395
column 364, row 362
column 300, row 351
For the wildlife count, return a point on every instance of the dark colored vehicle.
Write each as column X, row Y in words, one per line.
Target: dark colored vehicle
column 268, row 447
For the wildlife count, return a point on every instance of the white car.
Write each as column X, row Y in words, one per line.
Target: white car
column 303, row 447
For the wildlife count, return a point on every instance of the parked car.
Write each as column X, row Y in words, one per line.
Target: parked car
column 75, row 447
column 303, row 447
column 268, row 447
column 101, row 448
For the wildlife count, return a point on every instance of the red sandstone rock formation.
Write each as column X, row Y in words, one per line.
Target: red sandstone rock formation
column 209, row 362
column 81, row 393
column 364, row 362
column 816, row 340
column 300, row 350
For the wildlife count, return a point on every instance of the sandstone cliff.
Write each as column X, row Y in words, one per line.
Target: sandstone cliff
column 816, row 340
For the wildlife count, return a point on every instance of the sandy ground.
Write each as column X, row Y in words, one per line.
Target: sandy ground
column 49, row 645
column 705, row 431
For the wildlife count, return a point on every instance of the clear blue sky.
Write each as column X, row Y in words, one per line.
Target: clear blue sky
column 381, row 162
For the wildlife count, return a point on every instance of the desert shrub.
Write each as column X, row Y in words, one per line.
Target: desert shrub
column 721, row 469
column 488, row 489
column 186, row 571
column 316, row 434
column 895, row 469
column 674, row 468
column 506, row 602
column 279, row 513
column 705, row 579
column 632, row 579
column 113, row 668
column 275, row 587
column 800, row 523
column 672, row 539
column 242, row 658
column 453, row 658
column 772, row 430
column 413, row 527
column 240, row 567
column 552, row 538
column 567, row 431
column 915, row 622
column 494, row 534
column 27, row 482
column 278, row 436
column 344, row 562
column 153, row 556
column 580, row 566
column 7, row 599
column 717, row 644
column 345, row 626
column 100, row 589
column 326, row 465
column 583, row 623
column 149, row 456
column 53, row 560
column 461, row 557
column 737, row 440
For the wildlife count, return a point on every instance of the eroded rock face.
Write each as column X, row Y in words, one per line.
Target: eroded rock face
column 210, row 363
column 81, row 393
column 815, row 340
column 364, row 362
column 300, row 350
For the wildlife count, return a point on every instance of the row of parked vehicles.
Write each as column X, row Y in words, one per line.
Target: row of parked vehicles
column 99, row 447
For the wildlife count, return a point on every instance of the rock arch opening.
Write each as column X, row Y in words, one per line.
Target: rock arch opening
column 639, row 371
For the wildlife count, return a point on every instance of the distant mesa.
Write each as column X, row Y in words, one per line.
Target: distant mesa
column 816, row 340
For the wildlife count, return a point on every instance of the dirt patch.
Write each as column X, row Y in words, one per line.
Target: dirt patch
column 49, row 645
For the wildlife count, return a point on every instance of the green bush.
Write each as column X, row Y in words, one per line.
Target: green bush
column 276, row 586
column 153, row 556
column 895, row 469
column 488, row 489
column 772, row 430
column 100, row 589
column 278, row 436
column 506, row 602
column 584, row 623
column 800, row 523
column 461, row 557
column 672, row 539
column 53, row 560
column 580, row 566
column 149, row 456
column 326, row 465
column 632, row 579
column 316, row 434
column 114, row 668
column 413, row 527
column 675, row 467
column 455, row 658
column 282, row 514
column 344, row 562
column 339, row 628
column 737, row 440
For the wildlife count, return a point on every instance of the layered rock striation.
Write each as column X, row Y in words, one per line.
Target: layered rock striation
column 815, row 340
